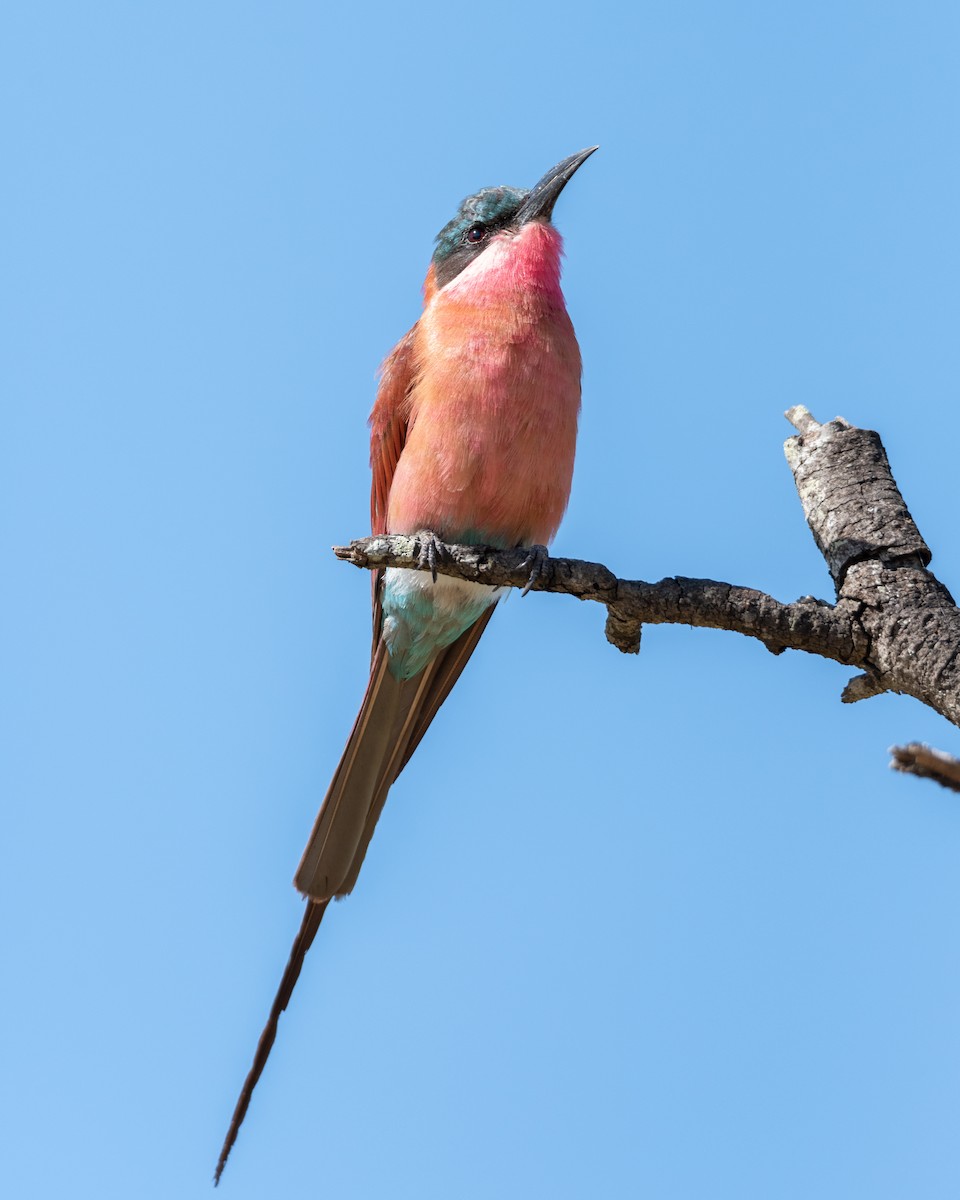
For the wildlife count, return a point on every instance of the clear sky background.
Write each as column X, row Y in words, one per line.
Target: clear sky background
column 662, row 926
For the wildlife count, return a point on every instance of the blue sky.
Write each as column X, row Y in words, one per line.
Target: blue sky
column 663, row 926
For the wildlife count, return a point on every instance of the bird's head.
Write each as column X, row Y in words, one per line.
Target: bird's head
column 498, row 210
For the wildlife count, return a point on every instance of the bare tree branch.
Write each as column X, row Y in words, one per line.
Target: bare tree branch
column 807, row 624
column 917, row 759
column 879, row 562
column 892, row 619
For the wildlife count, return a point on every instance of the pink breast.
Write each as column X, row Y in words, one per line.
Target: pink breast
column 489, row 454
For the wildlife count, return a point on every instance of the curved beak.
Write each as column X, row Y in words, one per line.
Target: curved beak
column 538, row 205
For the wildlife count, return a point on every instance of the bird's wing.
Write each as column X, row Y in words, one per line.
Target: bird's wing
column 389, row 425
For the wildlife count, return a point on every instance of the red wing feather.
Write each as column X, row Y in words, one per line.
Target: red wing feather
column 389, row 425
column 389, row 422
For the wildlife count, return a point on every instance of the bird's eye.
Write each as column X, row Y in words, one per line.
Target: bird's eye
column 476, row 233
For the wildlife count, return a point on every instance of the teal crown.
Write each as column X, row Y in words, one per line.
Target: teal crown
column 493, row 207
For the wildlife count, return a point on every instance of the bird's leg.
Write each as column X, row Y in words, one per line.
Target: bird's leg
column 430, row 552
column 537, row 559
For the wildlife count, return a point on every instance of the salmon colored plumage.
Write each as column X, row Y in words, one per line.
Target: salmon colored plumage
column 492, row 410
column 472, row 437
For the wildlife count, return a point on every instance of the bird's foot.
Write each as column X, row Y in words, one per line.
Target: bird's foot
column 537, row 559
column 430, row 553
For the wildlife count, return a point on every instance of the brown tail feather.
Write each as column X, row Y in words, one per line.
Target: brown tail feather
column 393, row 718
column 444, row 672
column 389, row 706
column 450, row 665
column 308, row 931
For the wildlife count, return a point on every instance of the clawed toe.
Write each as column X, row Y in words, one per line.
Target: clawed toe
column 537, row 559
column 429, row 554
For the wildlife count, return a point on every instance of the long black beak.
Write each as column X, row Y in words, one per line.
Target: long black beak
column 539, row 203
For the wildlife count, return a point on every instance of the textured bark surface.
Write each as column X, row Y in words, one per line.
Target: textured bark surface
column 891, row 618
column 879, row 562
column 849, row 497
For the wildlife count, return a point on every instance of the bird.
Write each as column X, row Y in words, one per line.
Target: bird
column 472, row 441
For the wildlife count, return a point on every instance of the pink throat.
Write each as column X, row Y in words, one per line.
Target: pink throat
column 525, row 262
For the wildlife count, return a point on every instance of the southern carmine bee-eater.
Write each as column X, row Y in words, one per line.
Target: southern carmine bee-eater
column 472, row 438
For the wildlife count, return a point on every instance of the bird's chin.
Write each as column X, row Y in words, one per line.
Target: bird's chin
column 524, row 260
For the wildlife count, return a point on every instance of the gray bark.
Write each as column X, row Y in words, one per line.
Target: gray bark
column 891, row 618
